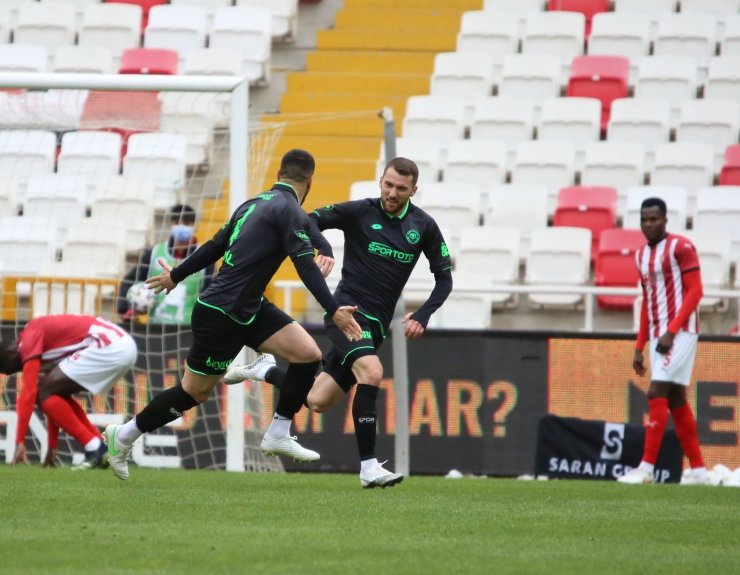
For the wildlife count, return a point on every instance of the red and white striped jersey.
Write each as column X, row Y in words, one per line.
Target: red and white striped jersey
column 661, row 270
column 55, row 336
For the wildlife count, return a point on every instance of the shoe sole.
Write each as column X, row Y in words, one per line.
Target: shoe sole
column 107, row 457
column 390, row 483
column 294, row 458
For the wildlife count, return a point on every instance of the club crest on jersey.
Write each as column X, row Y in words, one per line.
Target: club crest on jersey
column 302, row 234
column 412, row 237
column 328, row 207
column 376, row 227
column 445, row 251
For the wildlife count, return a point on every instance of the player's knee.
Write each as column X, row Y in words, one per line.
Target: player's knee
column 316, row 405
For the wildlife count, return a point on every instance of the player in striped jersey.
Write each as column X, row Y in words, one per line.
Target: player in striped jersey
column 669, row 320
column 60, row 355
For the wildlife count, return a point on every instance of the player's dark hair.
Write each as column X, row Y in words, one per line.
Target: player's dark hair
column 297, row 165
column 655, row 203
column 182, row 213
column 404, row 167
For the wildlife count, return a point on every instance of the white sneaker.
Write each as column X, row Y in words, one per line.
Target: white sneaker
column 287, row 446
column 117, row 456
column 637, row 476
column 698, row 476
column 379, row 477
column 254, row 370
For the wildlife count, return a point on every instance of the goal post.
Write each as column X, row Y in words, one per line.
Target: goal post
column 76, row 146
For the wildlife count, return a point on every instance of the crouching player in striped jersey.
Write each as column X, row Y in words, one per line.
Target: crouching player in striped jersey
column 671, row 288
column 59, row 356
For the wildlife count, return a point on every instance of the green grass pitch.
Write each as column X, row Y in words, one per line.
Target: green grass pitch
column 58, row 521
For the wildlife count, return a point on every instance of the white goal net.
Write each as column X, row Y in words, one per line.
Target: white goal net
column 91, row 167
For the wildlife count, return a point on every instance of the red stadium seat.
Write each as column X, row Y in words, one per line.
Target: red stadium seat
column 730, row 174
column 615, row 265
column 146, row 5
column 602, row 77
column 594, row 208
column 586, row 7
column 149, row 61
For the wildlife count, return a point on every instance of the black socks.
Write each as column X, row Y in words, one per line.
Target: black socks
column 165, row 407
column 365, row 416
column 296, row 385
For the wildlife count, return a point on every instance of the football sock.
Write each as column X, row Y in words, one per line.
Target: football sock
column 62, row 413
column 275, row 376
column 368, row 464
column 279, row 426
column 685, row 422
column 365, row 416
column 93, row 444
column 165, row 407
column 658, row 408
column 296, row 385
column 128, row 433
column 81, row 415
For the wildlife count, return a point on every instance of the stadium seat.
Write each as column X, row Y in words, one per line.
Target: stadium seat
column 558, row 256
column 730, row 45
column 730, row 174
column 454, row 206
column 440, row 118
column 24, row 153
column 57, row 197
column 466, row 76
column 718, row 8
column 8, row 196
column 684, row 164
column 521, row 206
column 149, row 61
column 23, row 58
column 594, row 208
column 515, row 6
column 714, row 249
column 494, row 249
column 507, row 119
column 112, row 25
column 718, row 210
column 640, row 120
column 673, row 78
column 135, row 212
column 128, row 190
column 25, row 242
column 466, row 309
column 144, row 5
column 159, row 157
column 615, row 265
column 122, row 112
column 249, row 31
column 6, row 24
column 364, row 189
column 560, row 34
column 602, row 77
column 618, row 164
column 188, row 114
column 284, row 16
column 723, row 78
column 90, row 153
column 547, row 163
column 83, row 60
column 589, row 9
column 179, row 28
column 692, row 35
column 213, row 62
column 45, row 24
column 650, row 7
column 335, row 237
column 619, row 34
column 575, row 120
column 493, row 33
column 99, row 240
column 534, row 76
column 426, row 152
column 480, row 162
column 709, row 121
column 676, row 199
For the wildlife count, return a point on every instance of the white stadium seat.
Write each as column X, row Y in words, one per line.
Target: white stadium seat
column 558, row 33
column 547, row 163
column 714, row 249
column 115, row 26
column 27, row 152
column 362, row 189
column 6, row 24
column 619, row 34
column 438, row 118
column 176, row 27
column 63, row 198
column 493, row 33
column 684, row 164
column 522, row 206
column 683, row 34
column 535, row 76
column 248, row 30
column 83, row 60
column 643, row 120
column 98, row 240
column 558, row 256
column 675, row 198
column 284, row 16
column 479, row 162
column 23, row 58
column 465, row 76
column 189, row 114
column 723, row 78
column 465, row 310
column 673, row 78
column 507, row 119
column 8, row 196
column 427, row 154
column 719, row 8
column 213, row 62
column 515, row 6
column 730, row 45
column 575, row 120
column 614, row 163
column 708, row 121
column 45, row 24
column 718, row 210
column 650, row 7
column 90, row 153
column 454, row 206
column 25, row 242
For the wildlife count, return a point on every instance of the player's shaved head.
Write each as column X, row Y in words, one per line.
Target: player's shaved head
column 404, row 167
column 297, row 166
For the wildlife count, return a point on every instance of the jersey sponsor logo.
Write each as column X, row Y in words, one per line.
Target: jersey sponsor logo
column 413, row 237
column 266, row 196
column 376, row 227
column 445, row 251
column 366, row 334
column 228, row 258
column 217, row 363
column 388, row 252
column 302, row 235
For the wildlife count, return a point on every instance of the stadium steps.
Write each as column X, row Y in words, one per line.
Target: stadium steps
column 378, row 54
